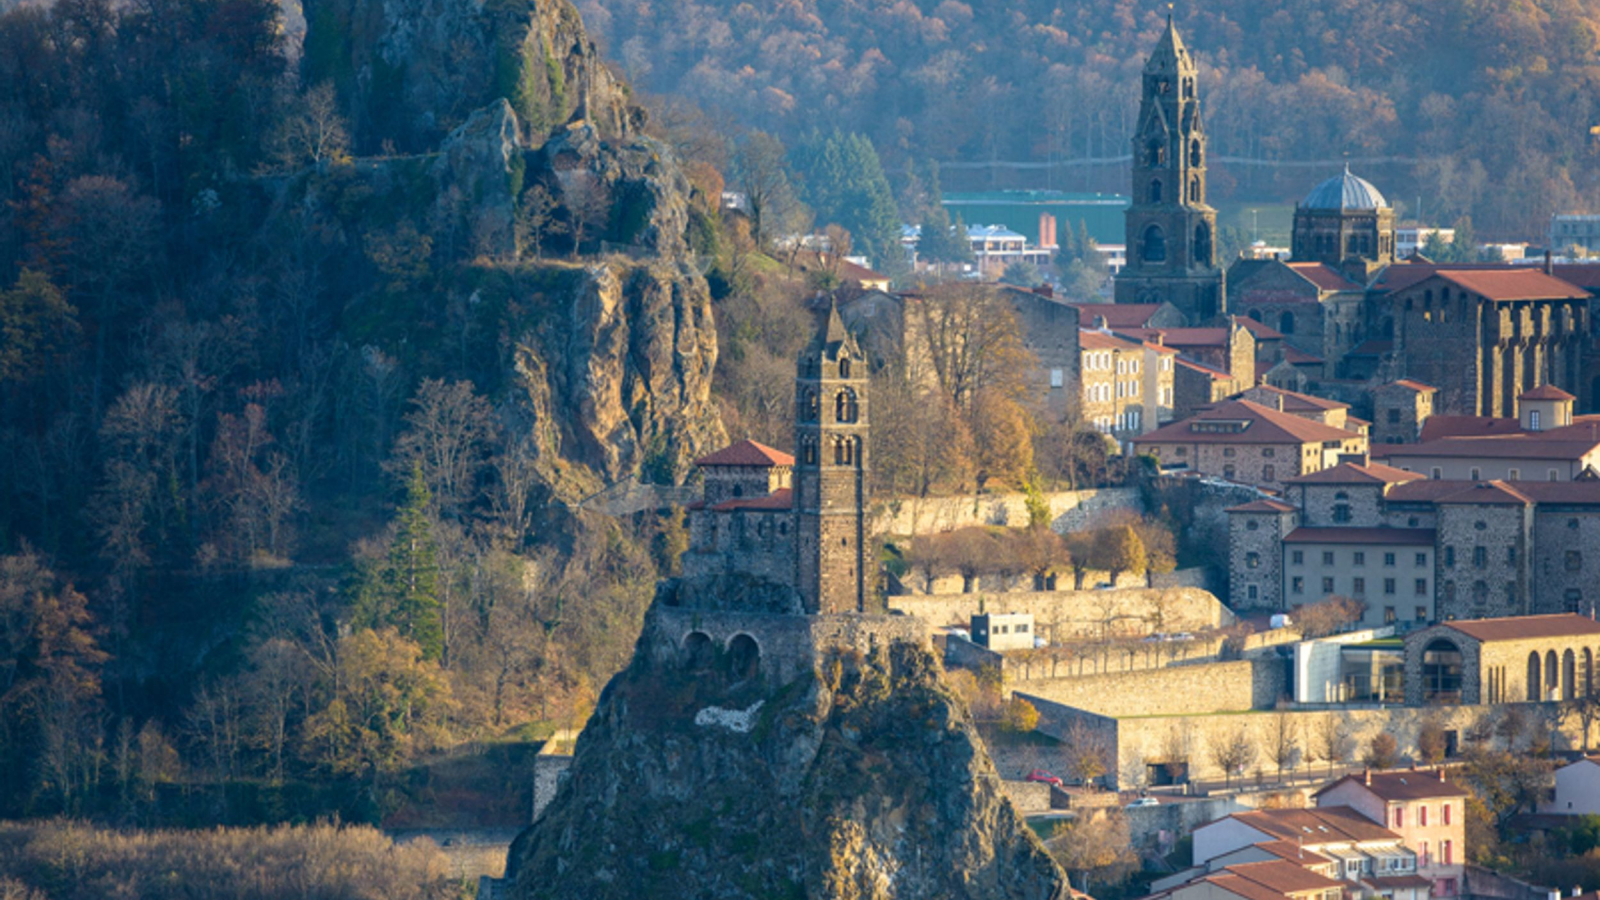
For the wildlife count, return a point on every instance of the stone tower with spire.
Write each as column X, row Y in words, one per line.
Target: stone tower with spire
column 1170, row 230
column 830, row 471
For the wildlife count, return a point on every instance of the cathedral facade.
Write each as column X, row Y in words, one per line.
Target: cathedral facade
column 1171, row 232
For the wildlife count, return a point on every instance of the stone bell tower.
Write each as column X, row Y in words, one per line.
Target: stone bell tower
column 830, row 471
column 1171, row 232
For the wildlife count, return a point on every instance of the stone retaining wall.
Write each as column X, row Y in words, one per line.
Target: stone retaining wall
column 1172, row 690
column 1027, row 796
column 1141, row 740
column 1067, row 615
column 1069, row 510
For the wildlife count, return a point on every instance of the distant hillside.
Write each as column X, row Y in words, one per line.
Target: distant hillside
column 1489, row 104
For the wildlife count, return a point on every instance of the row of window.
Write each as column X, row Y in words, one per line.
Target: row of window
column 1357, row 558
column 1358, row 586
column 1128, row 420
column 1102, row 393
column 1476, row 474
column 1422, row 817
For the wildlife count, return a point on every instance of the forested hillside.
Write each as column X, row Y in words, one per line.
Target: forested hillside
column 1487, row 105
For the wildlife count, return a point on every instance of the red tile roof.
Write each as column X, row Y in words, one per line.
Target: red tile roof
column 1355, row 473
column 1242, row 887
column 1089, row 339
column 1521, row 283
column 1265, row 426
column 1261, row 330
column 1194, row 337
column 1117, row 315
column 746, row 453
column 1494, row 493
column 1562, row 444
column 1265, row 505
column 1436, row 427
column 1324, row 276
column 1216, row 374
column 783, row 498
column 1546, row 392
column 1296, row 356
column 1409, row 784
column 1293, row 400
column 1408, row 537
column 1417, row 386
column 1323, row 825
column 1282, row 876
column 1292, row 851
column 1516, row 628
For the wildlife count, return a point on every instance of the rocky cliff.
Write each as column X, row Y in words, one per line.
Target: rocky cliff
column 412, row 70
column 861, row 780
column 602, row 319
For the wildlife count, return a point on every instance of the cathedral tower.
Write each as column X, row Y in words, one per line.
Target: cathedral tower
column 1170, row 231
column 830, row 471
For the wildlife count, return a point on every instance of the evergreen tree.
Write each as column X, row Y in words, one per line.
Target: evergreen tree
column 403, row 590
column 844, row 183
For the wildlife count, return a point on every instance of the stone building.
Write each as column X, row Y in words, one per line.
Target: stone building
column 796, row 522
column 1250, row 443
column 1545, row 442
column 1171, row 231
column 1125, row 388
column 1418, row 550
column 1533, row 659
column 1483, row 337
column 1344, row 223
column 1426, row 809
column 1316, row 308
column 1399, row 409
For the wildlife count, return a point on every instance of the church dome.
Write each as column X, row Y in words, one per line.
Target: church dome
column 1345, row 192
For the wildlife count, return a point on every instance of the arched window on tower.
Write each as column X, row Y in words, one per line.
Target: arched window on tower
column 813, row 407
column 843, row 451
column 1188, row 88
column 844, row 367
column 1155, row 190
column 1157, row 152
column 1194, row 152
column 1202, row 243
column 844, row 406
column 1286, row 322
column 1155, row 244
column 808, row 451
column 1194, row 190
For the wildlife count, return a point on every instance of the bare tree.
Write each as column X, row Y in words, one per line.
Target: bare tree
column 1233, row 752
column 1097, row 848
column 588, row 201
column 1332, row 740
column 1088, row 752
column 760, row 173
column 535, row 221
column 314, row 132
column 1285, row 737
column 451, row 430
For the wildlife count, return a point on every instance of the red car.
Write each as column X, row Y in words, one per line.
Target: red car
column 1044, row 777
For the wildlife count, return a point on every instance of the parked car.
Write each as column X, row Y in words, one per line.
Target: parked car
column 1143, row 801
column 1043, row 777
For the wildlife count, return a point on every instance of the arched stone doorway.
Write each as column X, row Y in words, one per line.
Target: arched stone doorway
column 1441, row 672
column 744, row 657
column 698, row 653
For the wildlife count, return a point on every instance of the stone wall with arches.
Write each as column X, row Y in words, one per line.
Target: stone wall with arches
column 775, row 646
column 1444, row 664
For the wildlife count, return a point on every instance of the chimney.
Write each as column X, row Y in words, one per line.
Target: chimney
column 1549, row 263
column 1577, row 890
column 1441, row 773
column 1099, row 323
column 1366, row 776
